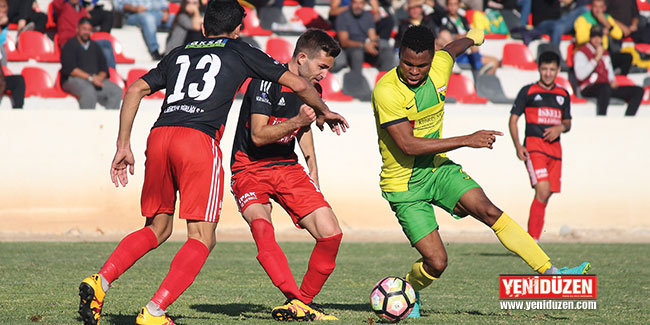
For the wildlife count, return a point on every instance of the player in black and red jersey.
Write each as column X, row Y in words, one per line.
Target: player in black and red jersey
column 264, row 166
column 183, row 153
column 548, row 114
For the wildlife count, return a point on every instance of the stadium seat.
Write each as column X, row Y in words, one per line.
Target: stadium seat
column 332, row 90
column 489, row 86
column 6, row 71
column 290, row 3
column 51, row 20
column 462, row 89
column 642, row 47
column 39, row 83
column 624, row 81
column 310, row 18
column 644, row 5
column 252, row 25
column 12, row 52
column 115, row 77
column 570, row 51
column 118, row 50
column 135, row 74
column 379, row 75
column 279, row 48
column 646, row 96
column 564, row 83
column 174, row 7
column 36, row 45
column 518, row 55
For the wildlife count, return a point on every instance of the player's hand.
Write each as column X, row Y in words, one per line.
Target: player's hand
column 553, row 132
column 123, row 159
column 336, row 122
column 614, row 84
column 305, row 116
column 97, row 81
column 482, row 139
column 522, row 153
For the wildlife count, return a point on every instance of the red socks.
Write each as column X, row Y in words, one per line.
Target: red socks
column 130, row 249
column 184, row 268
column 536, row 219
column 321, row 265
column 272, row 259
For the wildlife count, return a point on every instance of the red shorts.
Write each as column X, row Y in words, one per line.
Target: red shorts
column 544, row 163
column 185, row 160
column 288, row 185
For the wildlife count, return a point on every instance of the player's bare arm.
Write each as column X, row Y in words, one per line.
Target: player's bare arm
column 309, row 95
column 124, row 156
column 306, row 143
column 402, row 134
column 553, row 132
column 522, row 152
column 262, row 133
column 459, row 46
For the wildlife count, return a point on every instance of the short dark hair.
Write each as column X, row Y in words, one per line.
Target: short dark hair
column 84, row 20
column 419, row 39
column 548, row 57
column 596, row 30
column 222, row 16
column 313, row 41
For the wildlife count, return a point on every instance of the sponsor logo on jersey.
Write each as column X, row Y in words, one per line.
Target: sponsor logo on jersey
column 263, row 98
column 560, row 100
column 546, row 115
column 207, row 43
column 541, row 173
column 537, row 98
column 282, row 102
column 185, row 108
column 246, row 197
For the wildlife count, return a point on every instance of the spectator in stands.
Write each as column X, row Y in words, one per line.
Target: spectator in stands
column 381, row 11
column 149, row 15
column 458, row 26
column 597, row 16
column 570, row 10
column 101, row 14
column 359, row 40
column 466, row 4
column 186, row 26
column 627, row 17
column 68, row 13
column 14, row 83
column 509, row 12
column 22, row 13
column 416, row 17
column 84, row 71
column 595, row 73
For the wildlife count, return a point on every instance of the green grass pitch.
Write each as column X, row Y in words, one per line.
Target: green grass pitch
column 38, row 283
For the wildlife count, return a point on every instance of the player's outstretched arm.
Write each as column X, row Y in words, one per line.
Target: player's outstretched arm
column 522, row 152
column 459, row 46
column 402, row 134
column 309, row 95
column 306, row 143
column 262, row 133
column 124, row 156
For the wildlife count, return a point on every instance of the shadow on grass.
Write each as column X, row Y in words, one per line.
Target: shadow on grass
column 503, row 254
column 130, row 319
column 348, row 307
column 490, row 314
column 232, row 309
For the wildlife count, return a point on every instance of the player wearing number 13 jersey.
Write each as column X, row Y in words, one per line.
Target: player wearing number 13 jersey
column 183, row 153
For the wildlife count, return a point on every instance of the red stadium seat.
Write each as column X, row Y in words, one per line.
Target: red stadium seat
column 36, row 45
column 332, row 90
column 51, row 20
column 624, row 81
column 135, row 74
column 570, row 51
column 39, row 83
column 644, row 5
column 174, row 7
column 379, row 75
column 6, row 71
column 564, row 83
column 115, row 77
column 279, row 48
column 462, row 88
column 290, row 3
column 118, row 50
column 518, row 55
column 310, row 18
column 642, row 47
column 646, row 96
column 12, row 52
column 252, row 25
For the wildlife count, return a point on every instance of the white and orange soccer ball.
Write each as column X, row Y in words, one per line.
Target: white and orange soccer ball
column 392, row 298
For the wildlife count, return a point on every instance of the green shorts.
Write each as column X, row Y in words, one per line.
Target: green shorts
column 443, row 188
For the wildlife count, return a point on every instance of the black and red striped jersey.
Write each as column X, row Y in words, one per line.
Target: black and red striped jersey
column 279, row 103
column 202, row 78
column 543, row 108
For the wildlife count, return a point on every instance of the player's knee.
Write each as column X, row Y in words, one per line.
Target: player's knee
column 435, row 266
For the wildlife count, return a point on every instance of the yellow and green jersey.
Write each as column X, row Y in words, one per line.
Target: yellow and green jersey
column 393, row 102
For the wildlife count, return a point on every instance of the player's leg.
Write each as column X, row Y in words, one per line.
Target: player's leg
column 475, row 203
column 538, row 209
column 427, row 269
column 324, row 227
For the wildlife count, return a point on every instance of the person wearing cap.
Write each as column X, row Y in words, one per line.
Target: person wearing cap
column 416, row 16
column 595, row 74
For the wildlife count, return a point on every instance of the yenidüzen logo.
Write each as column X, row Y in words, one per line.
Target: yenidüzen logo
column 547, row 287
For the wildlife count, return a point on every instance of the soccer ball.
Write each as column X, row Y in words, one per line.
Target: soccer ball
column 392, row 298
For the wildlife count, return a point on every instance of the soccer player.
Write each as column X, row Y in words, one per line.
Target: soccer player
column 183, row 153
column 408, row 103
column 548, row 114
column 265, row 166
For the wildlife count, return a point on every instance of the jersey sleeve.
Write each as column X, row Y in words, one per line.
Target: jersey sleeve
column 156, row 78
column 519, row 106
column 387, row 106
column 441, row 65
column 261, row 65
column 258, row 93
column 566, row 108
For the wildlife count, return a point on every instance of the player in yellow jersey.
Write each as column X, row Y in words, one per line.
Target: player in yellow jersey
column 408, row 103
